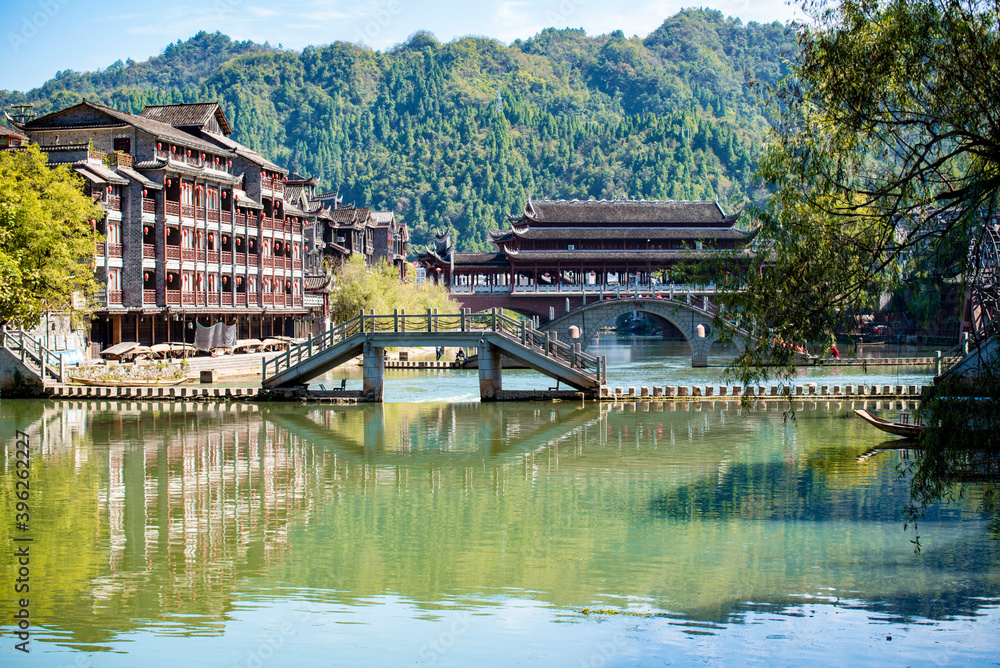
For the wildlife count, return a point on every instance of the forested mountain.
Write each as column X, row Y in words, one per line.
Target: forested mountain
column 457, row 135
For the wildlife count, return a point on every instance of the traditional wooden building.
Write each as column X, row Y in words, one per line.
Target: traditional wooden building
column 196, row 227
column 585, row 246
column 389, row 241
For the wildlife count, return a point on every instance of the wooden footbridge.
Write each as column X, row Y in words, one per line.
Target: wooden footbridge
column 492, row 333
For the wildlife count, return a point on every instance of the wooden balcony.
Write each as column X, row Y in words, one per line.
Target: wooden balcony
column 148, row 205
column 187, row 298
column 227, row 299
column 149, row 296
column 187, row 254
column 112, row 203
column 172, row 208
column 173, row 252
column 213, row 256
column 241, row 259
column 187, row 211
column 227, row 257
column 213, row 299
column 226, row 216
column 297, row 264
column 99, row 248
column 213, row 216
column 267, row 298
column 114, row 250
column 288, row 263
column 173, row 296
column 241, row 299
column 114, row 296
column 149, row 250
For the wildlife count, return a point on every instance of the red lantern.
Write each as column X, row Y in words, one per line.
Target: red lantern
column 173, row 149
column 189, row 152
column 230, row 163
column 202, row 156
column 93, row 223
column 224, row 238
column 145, row 230
column 158, row 146
column 143, row 193
column 211, row 237
column 109, row 188
column 199, row 234
column 169, row 182
column 216, row 159
column 145, row 277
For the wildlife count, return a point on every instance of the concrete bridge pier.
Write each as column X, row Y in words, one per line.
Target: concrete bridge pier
column 490, row 371
column 373, row 385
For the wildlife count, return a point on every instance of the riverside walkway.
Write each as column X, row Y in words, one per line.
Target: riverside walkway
column 492, row 333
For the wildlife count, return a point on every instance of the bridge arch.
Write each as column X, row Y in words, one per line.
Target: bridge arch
column 693, row 322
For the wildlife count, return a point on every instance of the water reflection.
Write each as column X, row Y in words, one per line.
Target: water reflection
column 169, row 516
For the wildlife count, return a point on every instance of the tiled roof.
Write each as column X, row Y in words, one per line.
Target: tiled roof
column 349, row 216
column 619, row 256
column 624, row 211
column 153, row 127
column 11, row 132
column 105, row 174
column 133, row 175
column 181, row 115
column 480, row 258
column 245, row 201
column 244, row 152
column 627, row 233
column 383, row 217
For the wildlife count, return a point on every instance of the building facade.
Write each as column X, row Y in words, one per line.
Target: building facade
column 196, row 226
column 581, row 246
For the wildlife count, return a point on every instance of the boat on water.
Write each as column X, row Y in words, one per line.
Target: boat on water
column 905, row 429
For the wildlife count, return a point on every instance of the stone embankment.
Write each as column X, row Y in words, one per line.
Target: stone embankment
column 800, row 391
column 342, row 396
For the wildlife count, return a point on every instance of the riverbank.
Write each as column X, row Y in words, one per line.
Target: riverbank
column 656, row 393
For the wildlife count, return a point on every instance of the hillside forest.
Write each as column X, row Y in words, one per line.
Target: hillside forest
column 456, row 136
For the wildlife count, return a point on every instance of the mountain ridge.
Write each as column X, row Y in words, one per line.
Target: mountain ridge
column 455, row 136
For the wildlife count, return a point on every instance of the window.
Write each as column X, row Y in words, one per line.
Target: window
column 187, row 196
column 213, row 199
column 123, row 144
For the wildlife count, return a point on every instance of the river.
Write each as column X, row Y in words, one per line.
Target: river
column 435, row 530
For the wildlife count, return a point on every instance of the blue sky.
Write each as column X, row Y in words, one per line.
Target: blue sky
column 41, row 37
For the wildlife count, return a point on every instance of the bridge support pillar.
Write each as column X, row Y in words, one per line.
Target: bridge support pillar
column 374, row 372
column 490, row 372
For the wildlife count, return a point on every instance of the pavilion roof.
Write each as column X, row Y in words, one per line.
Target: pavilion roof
column 605, row 232
column 617, row 255
column 626, row 212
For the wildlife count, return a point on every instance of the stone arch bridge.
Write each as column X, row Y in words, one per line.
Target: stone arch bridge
column 694, row 322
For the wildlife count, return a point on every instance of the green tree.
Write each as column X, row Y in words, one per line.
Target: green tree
column 885, row 158
column 887, row 149
column 46, row 241
column 379, row 289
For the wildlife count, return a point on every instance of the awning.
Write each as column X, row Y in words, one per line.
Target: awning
column 135, row 176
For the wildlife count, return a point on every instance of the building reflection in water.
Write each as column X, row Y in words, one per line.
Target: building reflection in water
column 155, row 512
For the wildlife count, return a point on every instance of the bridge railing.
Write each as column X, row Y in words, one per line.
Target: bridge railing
column 570, row 354
column 46, row 364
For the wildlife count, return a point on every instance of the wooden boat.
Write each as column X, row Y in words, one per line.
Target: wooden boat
column 128, row 383
column 904, row 429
